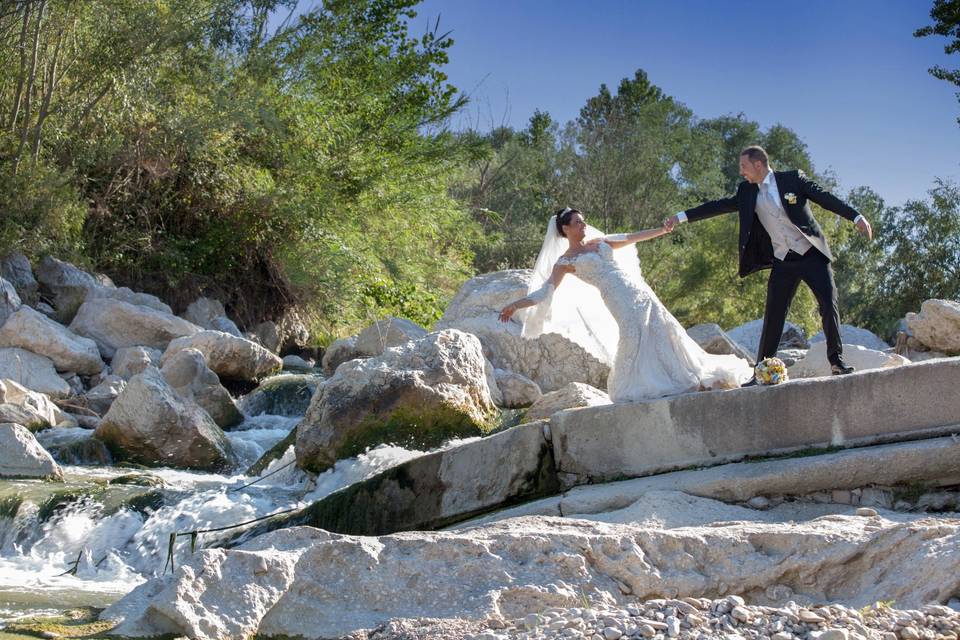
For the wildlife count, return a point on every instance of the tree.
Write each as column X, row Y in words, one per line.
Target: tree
column 946, row 22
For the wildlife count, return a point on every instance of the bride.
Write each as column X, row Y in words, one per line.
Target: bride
column 609, row 309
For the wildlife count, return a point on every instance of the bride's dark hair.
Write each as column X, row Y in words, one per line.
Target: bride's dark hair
column 562, row 218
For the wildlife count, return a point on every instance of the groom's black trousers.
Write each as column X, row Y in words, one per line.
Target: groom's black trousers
column 814, row 269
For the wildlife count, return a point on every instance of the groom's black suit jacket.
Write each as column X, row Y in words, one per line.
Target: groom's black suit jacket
column 756, row 250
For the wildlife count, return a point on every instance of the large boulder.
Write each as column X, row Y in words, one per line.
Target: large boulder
column 15, row 268
column 419, row 394
column 23, row 457
column 129, row 361
column 550, row 360
column 209, row 313
column 101, row 397
column 815, row 363
column 113, row 324
column 187, row 372
column 151, row 424
column 713, row 339
column 33, row 331
column 386, row 333
column 72, row 286
column 575, row 394
column 285, row 335
column 518, row 391
column 33, row 371
column 29, row 408
column 230, row 357
column 748, row 336
column 339, row 351
column 283, row 395
column 850, row 334
column 937, row 325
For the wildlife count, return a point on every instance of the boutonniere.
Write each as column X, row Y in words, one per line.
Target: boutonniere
column 790, row 197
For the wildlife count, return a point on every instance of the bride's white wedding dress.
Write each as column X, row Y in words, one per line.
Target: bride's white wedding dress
column 654, row 355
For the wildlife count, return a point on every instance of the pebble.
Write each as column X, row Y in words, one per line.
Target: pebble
column 611, row 633
column 740, row 613
column 809, row 617
column 647, row 631
column 866, row 512
column 673, row 626
column 909, row 633
column 831, row 634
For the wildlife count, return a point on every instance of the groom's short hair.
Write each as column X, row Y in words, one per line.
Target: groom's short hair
column 756, row 152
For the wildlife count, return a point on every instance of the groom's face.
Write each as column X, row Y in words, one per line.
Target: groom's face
column 754, row 171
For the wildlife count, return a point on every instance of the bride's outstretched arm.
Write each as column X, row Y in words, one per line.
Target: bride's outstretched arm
column 538, row 296
column 618, row 240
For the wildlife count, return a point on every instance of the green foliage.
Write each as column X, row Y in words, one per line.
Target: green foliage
column 40, row 212
column 946, row 22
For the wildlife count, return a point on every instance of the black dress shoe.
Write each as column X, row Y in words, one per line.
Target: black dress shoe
column 841, row 369
column 752, row 382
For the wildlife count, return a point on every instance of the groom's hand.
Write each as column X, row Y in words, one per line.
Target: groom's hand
column 864, row 228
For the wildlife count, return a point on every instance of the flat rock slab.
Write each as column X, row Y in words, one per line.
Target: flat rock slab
column 629, row 440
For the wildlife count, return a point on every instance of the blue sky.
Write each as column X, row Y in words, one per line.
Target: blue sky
column 847, row 75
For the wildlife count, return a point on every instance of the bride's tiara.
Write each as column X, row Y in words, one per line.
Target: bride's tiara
column 565, row 211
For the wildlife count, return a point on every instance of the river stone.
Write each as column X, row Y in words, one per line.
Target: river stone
column 15, row 268
column 270, row 587
column 419, row 395
column 283, row 395
column 575, row 394
column 296, row 363
column 230, row 357
column 550, row 360
column 114, row 324
column 33, row 331
column 129, row 361
column 713, row 339
column 208, row 313
column 23, row 457
column 100, row 397
column 386, row 333
column 518, row 391
column 9, row 300
column 187, row 372
column 748, row 336
column 850, row 334
column 815, row 363
column 937, row 325
column 74, row 446
column 33, row 371
column 338, row 352
column 151, row 424
column 29, row 408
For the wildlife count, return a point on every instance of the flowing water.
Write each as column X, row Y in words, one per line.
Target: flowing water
column 112, row 549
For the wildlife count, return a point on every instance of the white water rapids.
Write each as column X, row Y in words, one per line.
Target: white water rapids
column 121, row 550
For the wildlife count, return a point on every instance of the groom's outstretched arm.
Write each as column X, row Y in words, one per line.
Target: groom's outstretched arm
column 830, row 202
column 704, row 211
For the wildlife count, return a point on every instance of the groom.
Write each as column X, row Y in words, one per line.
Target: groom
column 778, row 231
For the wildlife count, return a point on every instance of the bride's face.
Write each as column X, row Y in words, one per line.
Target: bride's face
column 576, row 229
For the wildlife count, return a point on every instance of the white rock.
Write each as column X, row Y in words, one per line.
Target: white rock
column 9, row 300
column 850, row 334
column 338, row 352
column 230, row 357
column 33, row 331
column 550, row 360
column 386, row 333
column 129, row 361
column 748, row 336
column 611, row 633
column 937, row 325
column 430, row 389
column 866, row 512
column 151, row 424
column 187, row 372
column 100, row 397
column 529, row 565
column 518, row 391
column 23, row 457
column 575, row 394
column 114, row 324
column 29, row 408
column 815, row 364
column 33, row 371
